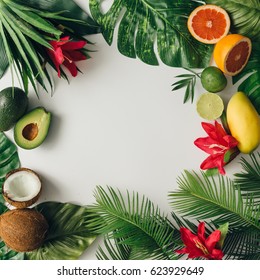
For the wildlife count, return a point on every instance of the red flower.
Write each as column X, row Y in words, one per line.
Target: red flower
column 66, row 52
column 217, row 144
column 200, row 246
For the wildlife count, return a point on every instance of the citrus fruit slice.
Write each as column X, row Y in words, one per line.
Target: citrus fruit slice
column 208, row 23
column 210, row 106
column 231, row 53
column 213, row 79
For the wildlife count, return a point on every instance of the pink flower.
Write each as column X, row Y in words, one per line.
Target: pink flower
column 217, row 144
column 199, row 245
column 66, row 52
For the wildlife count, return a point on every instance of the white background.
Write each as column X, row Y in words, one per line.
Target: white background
column 117, row 124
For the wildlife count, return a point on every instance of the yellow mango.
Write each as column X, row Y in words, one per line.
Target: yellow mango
column 244, row 122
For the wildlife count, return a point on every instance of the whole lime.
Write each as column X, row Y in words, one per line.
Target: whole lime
column 13, row 105
column 213, row 79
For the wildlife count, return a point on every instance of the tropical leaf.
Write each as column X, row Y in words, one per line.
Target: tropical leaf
column 3, row 59
column 69, row 9
column 251, row 76
column 245, row 16
column 133, row 222
column 68, row 236
column 144, row 24
column 203, row 198
column 248, row 180
column 9, row 159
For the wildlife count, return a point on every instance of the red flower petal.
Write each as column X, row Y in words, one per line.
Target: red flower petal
column 209, row 145
column 54, row 60
column 216, row 254
column 214, row 161
column 212, row 240
column 72, row 45
column 231, row 141
column 75, row 55
column 201, row 231
column 71, row 67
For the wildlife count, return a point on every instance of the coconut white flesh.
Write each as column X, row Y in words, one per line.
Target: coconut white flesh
column 22, row 186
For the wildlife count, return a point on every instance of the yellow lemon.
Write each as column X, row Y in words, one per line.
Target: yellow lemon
column 244, row 122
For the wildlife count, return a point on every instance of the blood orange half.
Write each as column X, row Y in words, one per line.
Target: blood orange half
column 208, row 23
column 232, row 53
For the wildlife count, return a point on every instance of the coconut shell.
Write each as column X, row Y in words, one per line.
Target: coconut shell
column 20, row 204
column 23, row 230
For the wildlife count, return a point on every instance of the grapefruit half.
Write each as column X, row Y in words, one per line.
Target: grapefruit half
column 208, row 23
column 231, row 53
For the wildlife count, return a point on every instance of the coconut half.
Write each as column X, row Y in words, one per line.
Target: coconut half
column 22, row 187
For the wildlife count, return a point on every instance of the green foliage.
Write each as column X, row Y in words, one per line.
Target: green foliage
column 9, row 159
column 203, row 197
column 144, row 24
column 68, row 235
column 248, row 180
column 135, row 224
column 25, row 32
column 251, row 76
column 82, row 22
column 189, row 82
column 245, row 16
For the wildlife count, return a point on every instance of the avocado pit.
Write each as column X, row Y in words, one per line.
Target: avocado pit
column 30, row 131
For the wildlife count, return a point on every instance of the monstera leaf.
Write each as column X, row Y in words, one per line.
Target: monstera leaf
column 68, row 236
column 9, row 159
column 245, row 16
column 146, row 23
column 251, row 73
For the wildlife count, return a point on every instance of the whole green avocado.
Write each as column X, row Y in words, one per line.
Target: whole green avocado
column 13, row 105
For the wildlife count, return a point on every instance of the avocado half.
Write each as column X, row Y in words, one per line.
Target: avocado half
column 31, row 130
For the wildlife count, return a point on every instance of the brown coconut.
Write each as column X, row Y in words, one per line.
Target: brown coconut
column 22, row 201
column 23, row 230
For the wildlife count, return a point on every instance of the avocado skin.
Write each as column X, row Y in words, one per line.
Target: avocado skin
column 42, row 119
column 13, row 105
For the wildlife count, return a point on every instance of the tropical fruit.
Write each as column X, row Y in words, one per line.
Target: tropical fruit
column 213, row 79
column 13, row 105
column 210, row 106
column 31, row 130
column 244, row 123
column 23, row 230
column 231, row 53
column 208, row 23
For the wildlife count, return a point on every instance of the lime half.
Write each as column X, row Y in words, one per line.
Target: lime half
column 210, row 106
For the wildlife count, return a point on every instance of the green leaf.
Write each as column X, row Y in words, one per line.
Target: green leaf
column 3, row 58
column 71, row 10
column 245, row 16
column 133, row 222
column 217, row 199
column 251, row 75
column 224, row 231
column 248, row 180
column 144, row 24
column 9, row 159
column 68, row 236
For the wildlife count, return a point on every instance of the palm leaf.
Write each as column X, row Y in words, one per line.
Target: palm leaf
column 245, row 16
column 203, row 197
column 3, row 58
column 144, row 24
column 248, row 180
column 70, row 10
column 114, row 250
column 135, row 221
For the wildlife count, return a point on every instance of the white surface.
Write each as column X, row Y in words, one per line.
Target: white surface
column 117, row 124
